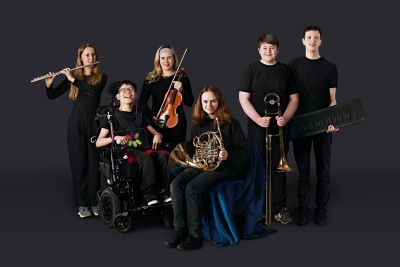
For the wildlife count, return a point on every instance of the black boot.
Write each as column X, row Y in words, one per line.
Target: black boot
column 191, row 243
column 178, row 238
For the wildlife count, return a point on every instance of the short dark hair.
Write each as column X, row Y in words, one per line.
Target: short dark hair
column 268, row 38
column 113, row 88
column 312, row 28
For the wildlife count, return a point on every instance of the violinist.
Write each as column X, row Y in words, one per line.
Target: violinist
column 157, row 85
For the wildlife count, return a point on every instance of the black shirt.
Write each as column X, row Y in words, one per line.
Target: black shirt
column 157, row 90
column 124, row 121
column 89, row 95
column 259, row 79
column 313, row 79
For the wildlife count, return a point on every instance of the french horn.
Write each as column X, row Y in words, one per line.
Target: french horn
column 206, row 151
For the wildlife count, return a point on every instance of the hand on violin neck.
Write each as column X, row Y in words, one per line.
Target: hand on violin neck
column 178, row 86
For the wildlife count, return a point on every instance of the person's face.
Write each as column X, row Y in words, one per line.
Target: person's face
column 268, row 53
column 209, row 103
column 312, row 40
column 167, row 61
column 88, row 56
column 126, row 94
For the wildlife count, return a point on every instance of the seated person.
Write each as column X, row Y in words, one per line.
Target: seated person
column 189, row 187
column 129, row 117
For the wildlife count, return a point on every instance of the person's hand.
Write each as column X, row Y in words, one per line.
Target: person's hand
column 178, row 86
column 49, row 81
column 67, row 73
column 223, row 155
column 332, row 129
column 157, row 140
column 264, row 121
column 281, row 121
column 121, row 140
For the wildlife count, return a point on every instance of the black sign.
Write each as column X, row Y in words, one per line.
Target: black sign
column 315, row 122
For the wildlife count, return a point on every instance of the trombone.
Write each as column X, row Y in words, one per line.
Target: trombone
column 272, row 105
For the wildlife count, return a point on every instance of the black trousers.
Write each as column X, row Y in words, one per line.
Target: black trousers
column 188, row 190
column 257, row 135
column 83, row 157
column 152, row 169
column 322, row 151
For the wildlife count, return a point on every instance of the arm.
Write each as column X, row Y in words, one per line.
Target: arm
column 58, row 90
column 244, row 99
column 240, row 151
column 144, row 99
column 332, row 94
column 290, row 110
column 157, row 137
column 103, row 140
column 187, row 93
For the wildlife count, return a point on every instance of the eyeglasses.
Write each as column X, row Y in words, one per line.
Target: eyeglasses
column 126, row 90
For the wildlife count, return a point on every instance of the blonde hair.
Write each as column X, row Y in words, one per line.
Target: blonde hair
column 155, row 74
column 94, row 77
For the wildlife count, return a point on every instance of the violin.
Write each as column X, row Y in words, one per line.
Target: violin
column 167, row 116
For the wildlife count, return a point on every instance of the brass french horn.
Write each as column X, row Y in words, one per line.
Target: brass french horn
column 206, row 151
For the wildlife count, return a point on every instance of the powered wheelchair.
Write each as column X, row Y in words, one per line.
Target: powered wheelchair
column 121, row 199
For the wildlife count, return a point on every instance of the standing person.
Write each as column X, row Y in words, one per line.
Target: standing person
column 129, row 117
column 316, row 78
column 189, row 187
column 260, row 78
column 156, row 86
column 85, row 87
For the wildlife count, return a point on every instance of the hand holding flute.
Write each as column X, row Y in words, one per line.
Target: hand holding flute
column 50, row 76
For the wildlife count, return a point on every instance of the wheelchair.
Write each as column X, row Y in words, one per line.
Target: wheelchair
column 122, row 200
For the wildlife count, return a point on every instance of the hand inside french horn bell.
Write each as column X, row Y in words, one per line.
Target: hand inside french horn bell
column 223, row 155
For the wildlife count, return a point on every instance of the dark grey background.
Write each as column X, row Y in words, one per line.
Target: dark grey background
column 38, row 222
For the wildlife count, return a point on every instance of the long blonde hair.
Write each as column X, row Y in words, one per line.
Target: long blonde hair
column 94, row 77
column 156, row 73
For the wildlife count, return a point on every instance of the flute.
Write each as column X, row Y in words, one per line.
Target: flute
column 59, row 72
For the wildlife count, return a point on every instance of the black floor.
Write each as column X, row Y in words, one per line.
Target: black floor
column 39, row 226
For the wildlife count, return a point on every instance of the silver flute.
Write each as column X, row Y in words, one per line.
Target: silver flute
column 59, row 72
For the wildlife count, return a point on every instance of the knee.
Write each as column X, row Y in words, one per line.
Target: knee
column 176, row 186
column 191, row 190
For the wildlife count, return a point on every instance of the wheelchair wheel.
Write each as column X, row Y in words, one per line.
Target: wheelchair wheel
column 109, row 206
column 123, row 223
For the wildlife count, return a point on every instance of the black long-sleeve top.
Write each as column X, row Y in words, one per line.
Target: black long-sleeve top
column 234, row 143
column 157, row 90
column 89, row 95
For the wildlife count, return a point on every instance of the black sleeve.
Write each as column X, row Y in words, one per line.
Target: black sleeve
column 59, row 90
column 246, row 81
column 292, row 87
column 333, row 81
column 146, row 121
column 103, row 123
column 240, row 151
column 144, row 99
column 187, row 93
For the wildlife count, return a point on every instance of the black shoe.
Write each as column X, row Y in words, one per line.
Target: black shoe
column 151, row 199
column 301, row 218
column 166, row 196
column 178, row 238
column 283, row 216
column 321, row 217
column 191, row 243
